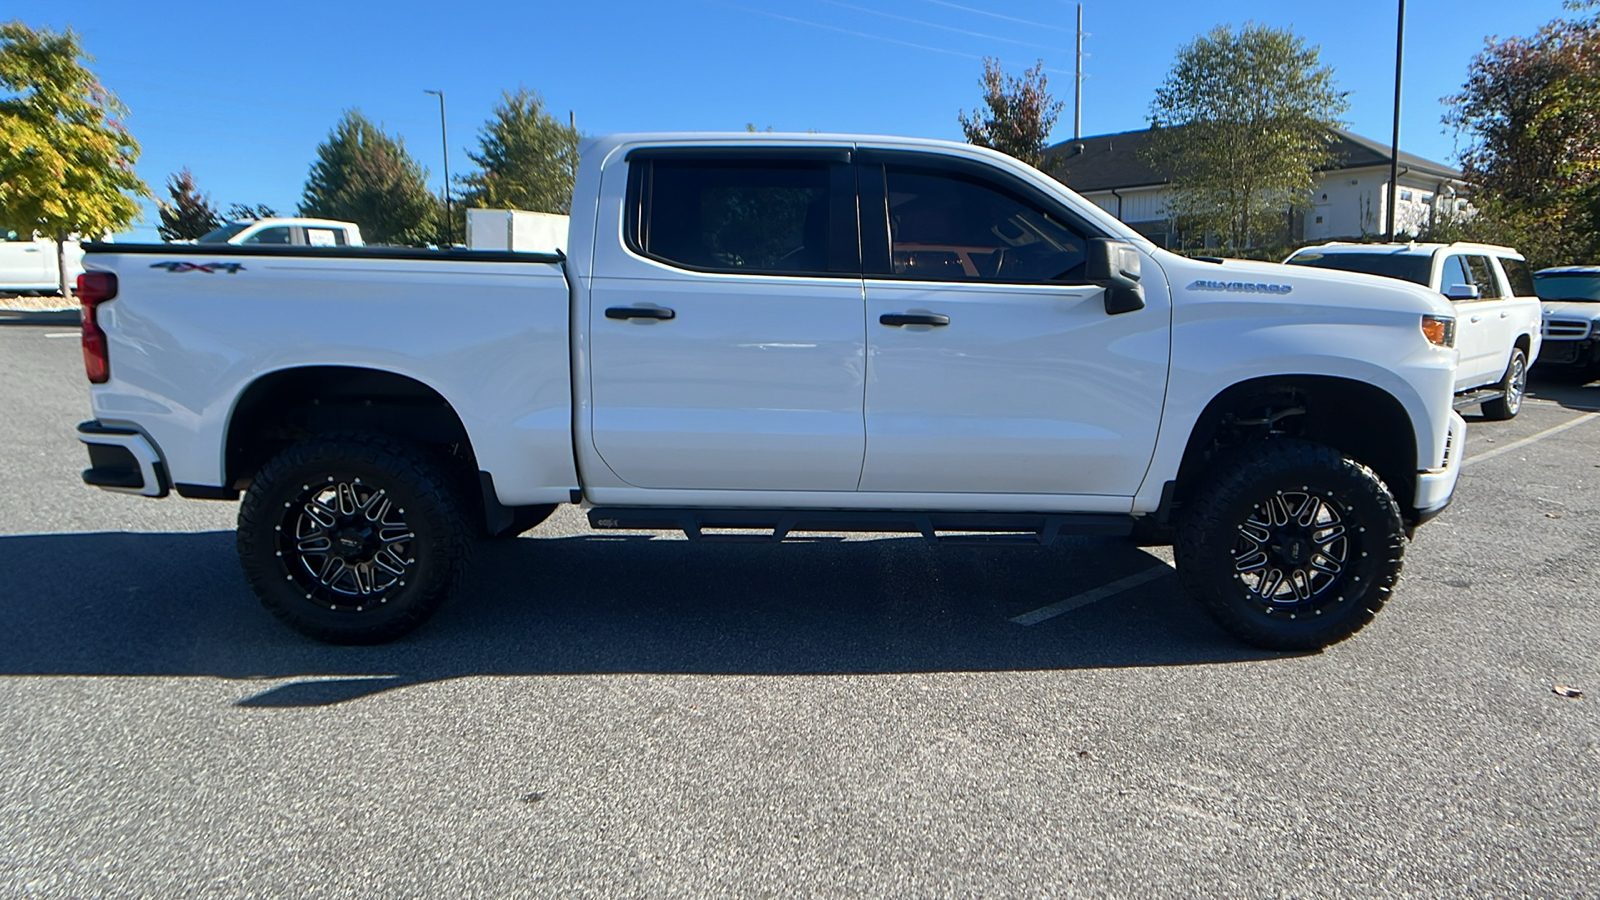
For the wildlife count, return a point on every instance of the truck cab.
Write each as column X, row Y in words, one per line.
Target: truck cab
column 281, row 231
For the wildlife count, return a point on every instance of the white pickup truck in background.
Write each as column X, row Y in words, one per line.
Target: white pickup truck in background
column 28, row 264
column 790, row 333
column 1571, row 299
column 1497, row 310
column 282, row 231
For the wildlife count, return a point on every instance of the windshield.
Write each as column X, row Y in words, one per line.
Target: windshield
column 221, row 235
column 1581, row 286
column 1406, row 268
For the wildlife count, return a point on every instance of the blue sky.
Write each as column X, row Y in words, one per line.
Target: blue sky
column 243, row 93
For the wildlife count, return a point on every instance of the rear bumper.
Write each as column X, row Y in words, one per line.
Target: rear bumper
column 1435, row 487
column 122, row 459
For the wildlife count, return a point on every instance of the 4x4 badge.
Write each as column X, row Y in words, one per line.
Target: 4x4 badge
column 207, row 268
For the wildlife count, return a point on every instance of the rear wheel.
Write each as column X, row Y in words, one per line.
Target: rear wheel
column 1292, row 546
column 352, row 538
column 1512, row 385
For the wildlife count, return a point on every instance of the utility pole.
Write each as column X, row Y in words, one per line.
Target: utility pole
column 444, row 140
column 1077, row 83
column 1394, row 143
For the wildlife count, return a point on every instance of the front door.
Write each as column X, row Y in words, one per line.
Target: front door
column 993, row 366
column 726, row 347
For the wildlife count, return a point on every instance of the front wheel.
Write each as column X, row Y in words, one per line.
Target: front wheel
column 352, row 538
column 1291, row 546
column 1512, row 385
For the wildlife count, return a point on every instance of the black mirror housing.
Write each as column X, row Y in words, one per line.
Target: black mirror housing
column 1116, row 265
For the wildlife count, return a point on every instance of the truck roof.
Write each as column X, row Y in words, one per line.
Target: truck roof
column 1410, row 248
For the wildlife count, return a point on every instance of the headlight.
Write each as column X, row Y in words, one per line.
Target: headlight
column 1439, row 330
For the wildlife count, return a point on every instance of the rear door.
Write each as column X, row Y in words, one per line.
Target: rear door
column 726, row 342
column 992, row 364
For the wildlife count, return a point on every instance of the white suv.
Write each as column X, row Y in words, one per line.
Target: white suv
column 1497, row 309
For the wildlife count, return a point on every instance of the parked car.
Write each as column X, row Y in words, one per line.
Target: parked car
column 1497, row 312
column 28, row 263
column 1571, row 298
column 785, row 332
column 286, row 232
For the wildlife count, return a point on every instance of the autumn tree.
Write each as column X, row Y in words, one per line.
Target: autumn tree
column 190, row 215
column 1531, row 110
column 66, row 159
column 1017, row 114
column 1242, row 121
column 527, row 159
column 363, row 175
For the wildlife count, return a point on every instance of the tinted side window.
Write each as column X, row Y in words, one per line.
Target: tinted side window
column 736, row 215
column 1521, row 278
column 954, row 227
column 1455, row 273
column 1483, row 276
column 277, row 235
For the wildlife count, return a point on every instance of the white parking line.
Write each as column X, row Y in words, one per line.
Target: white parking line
column 1514, row 445
column 1045, row 613
column 64, row 334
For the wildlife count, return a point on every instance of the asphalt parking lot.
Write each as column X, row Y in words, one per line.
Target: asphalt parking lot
column 632, row 715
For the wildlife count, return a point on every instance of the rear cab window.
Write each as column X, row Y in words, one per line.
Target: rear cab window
column 769, row 211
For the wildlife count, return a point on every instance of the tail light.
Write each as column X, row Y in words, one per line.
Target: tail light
column 95, row 288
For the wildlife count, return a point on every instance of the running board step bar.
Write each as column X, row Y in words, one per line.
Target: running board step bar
column 1473, row 398
column 991, row 528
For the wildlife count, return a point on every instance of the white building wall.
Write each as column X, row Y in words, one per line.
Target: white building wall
column 1346, row 204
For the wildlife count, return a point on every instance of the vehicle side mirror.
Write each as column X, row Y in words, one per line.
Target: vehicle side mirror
column 1115, row 265
column 1463, row 292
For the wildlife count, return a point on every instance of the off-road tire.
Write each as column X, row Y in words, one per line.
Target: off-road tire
column 1513, row 383
column 1313, row 490
column 414, row 553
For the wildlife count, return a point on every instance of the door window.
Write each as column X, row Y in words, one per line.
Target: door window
column 951, row 226
column 1521, row 278
column 1483, row 276
column 747, row 216
column 1455, row 274
column 276, row 235
column 324, row 237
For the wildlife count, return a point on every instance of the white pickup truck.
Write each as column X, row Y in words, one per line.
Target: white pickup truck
column 1497, row 308
column 28, row 263
column 279, row 230
column 784, row 332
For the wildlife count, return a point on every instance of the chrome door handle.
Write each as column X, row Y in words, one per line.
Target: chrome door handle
column 1475, row 318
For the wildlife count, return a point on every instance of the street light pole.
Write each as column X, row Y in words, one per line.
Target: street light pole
column 444, row 140
column 1394, row 143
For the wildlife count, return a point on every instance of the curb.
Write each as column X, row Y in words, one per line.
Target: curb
column 39, row 317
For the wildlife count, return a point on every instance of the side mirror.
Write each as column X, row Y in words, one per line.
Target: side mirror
column 1463, row 292
column 1115, row 264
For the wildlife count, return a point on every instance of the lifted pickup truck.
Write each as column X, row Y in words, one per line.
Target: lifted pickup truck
column 784, row 332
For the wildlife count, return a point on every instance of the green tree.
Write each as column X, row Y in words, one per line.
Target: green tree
column 241, row 212
column 1242, row 122
column 66, row 159
column 363, row 175
column 1531, row 110
column 527, row 158
column 190, row 214
column 1017, row 114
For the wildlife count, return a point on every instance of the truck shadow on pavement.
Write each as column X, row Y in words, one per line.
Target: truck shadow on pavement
column 1568, row 391
column 175, row 604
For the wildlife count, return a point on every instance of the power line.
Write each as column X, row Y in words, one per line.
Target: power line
column 995, row 15
column 976, row 34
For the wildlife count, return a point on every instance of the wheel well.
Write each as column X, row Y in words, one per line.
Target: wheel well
column 290, row 405
column 1363, row 422
column 1525, row 344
